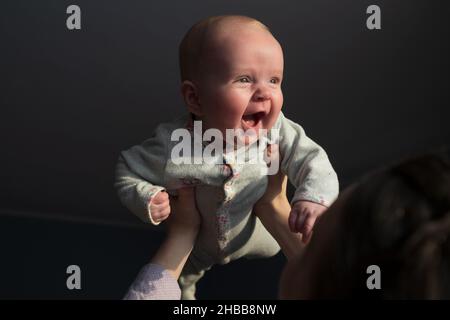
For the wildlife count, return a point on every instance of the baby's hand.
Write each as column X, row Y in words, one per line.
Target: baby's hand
column 160, row 207
column 303, row 216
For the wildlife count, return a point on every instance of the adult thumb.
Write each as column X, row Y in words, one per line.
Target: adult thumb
column 185, row 193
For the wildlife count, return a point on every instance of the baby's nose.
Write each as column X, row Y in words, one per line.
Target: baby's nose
column 261, row 95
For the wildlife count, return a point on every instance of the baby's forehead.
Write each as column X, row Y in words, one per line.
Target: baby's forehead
column 239, row 47
column 230, row 39
column 226, row 31
column 223, row 37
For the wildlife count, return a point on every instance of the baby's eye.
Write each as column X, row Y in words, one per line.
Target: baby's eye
column 274, row 80
column 244, row 80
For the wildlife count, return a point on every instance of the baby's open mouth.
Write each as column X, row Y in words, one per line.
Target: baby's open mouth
column 253, row 119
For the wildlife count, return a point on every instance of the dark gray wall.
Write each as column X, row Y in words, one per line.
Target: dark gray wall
column 71, row 100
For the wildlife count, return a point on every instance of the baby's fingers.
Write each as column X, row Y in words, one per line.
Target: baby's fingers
column 161, row 198
column 160, row 212
column 163, row 215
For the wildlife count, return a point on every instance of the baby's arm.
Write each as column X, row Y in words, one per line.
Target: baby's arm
column 273, row 211
column 139, row 178
column 310, row 171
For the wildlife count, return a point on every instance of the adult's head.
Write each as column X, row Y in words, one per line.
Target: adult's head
column 397, row 219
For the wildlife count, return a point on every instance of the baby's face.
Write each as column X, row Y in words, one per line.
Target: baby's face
column 242, row 89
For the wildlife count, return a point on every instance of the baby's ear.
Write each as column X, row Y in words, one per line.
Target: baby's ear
column 190, row 95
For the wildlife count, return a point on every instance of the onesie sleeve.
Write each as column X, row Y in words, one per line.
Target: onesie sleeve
column 306, row 164
column 139, row 174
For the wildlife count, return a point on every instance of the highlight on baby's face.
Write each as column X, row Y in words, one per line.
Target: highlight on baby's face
column 241, row 88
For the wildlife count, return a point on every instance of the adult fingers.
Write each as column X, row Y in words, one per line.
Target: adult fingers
column 308, row 226
column 184, row 200
column 292, row 219
column 186, row 193
column 299, row 224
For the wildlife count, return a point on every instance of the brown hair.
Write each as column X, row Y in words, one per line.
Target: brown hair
column 398, row 219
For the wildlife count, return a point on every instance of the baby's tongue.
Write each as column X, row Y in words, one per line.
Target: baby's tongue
column 250, row 120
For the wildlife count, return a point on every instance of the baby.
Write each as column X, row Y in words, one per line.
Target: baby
column 231, row 72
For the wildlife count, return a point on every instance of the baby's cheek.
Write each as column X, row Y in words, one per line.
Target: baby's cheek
column 234, row 102
column 230, row 114
column 278, row 101
column 228, row 107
